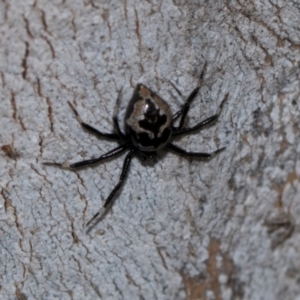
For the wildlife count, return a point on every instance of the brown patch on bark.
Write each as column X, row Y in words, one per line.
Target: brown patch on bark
column 9, row 151
column 20, row 295
column 279, row 187
column 7, row 202
column 280, row 228
column 197, row 287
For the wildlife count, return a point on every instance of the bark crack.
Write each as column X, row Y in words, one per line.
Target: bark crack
column 24, row 61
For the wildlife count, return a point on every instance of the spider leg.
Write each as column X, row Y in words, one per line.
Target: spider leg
column 115, row 117
column 79, row 164
column 183, row 112
column 125, row 169
column 202, row 123
column 181, row 151
column 92, row 129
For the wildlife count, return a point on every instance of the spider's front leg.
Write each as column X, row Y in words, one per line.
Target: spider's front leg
column 202, row 123
column 109, row 199
column 185, row 109
column 91, row 128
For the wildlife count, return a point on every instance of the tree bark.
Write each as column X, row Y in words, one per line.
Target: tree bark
column 180, row 228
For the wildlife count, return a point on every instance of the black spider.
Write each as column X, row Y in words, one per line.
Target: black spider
column 149, row 126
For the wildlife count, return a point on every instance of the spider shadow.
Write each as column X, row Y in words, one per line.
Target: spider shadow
column 151, row 162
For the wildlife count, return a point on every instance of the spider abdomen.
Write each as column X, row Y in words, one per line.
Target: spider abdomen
column 148, row 120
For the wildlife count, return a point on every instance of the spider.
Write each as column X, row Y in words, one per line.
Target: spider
column 149, row 127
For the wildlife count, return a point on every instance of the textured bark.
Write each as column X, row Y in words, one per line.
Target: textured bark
column 226, row 228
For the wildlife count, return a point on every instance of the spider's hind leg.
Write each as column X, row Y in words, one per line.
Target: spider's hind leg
column 185, row 109
column 183, row 152
column 125, row 169
column 88, row 162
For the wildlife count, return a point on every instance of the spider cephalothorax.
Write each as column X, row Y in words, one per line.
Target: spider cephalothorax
column 149, row 127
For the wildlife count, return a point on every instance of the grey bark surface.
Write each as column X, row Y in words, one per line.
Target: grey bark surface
column 226, row 228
